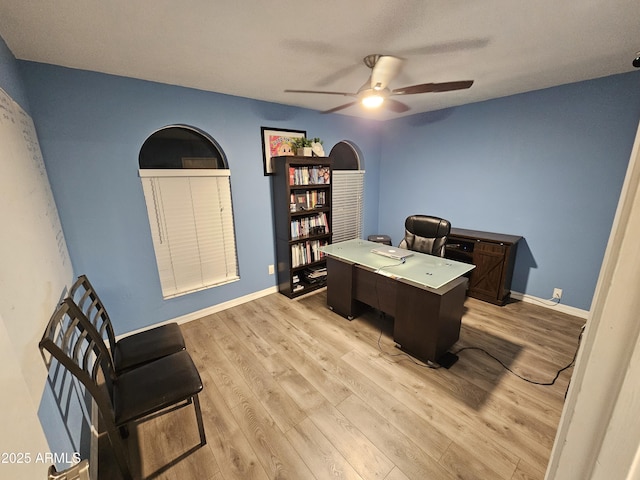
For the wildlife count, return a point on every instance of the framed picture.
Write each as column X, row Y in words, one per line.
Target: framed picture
column 277, row 142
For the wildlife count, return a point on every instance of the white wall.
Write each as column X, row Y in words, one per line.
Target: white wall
column 35, row 272
column 21, row 428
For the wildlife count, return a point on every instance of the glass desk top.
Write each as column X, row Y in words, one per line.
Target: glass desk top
column 419, row 268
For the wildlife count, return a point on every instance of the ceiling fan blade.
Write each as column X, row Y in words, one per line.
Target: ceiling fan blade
column 395, row 106
column 335, row 76
column 447, row 47
column 341, row 107
column 433, row 87
column 384, row 71
column 318, row 91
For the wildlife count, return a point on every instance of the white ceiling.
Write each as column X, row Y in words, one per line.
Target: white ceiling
column 256, row 49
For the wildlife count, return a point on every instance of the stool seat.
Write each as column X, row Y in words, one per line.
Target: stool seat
column 384, row 239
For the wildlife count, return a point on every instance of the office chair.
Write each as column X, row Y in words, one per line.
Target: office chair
column 133, row 350
column 121, row 399
column 426, row 234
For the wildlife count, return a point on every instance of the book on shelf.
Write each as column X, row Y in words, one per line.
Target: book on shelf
column 296, row 284
column 304, row 175
column 314, row 275
column 309, row 226
column 316, row 271
column 307, row 200
column 307, row 252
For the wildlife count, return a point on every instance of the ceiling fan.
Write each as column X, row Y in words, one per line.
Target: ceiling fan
column 376, row 92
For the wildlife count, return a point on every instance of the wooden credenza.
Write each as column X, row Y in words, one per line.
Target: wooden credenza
column 493, row 254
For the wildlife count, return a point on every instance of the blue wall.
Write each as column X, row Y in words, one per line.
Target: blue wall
column 10, row 79
column 547, row 165
column 91, row 127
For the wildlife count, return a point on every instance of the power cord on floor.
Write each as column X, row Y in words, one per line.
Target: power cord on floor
column 436, row 366
column 546, row 384
column 547, row 302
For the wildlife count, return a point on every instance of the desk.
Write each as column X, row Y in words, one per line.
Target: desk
column 425, row 294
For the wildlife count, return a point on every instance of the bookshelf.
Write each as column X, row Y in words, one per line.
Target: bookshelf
column 301, row 191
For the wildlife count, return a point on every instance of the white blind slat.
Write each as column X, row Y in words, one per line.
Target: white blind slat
column 347, row 197
column 191, row 221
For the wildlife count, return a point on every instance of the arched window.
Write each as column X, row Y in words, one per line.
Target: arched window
column 347, row 191
column 187, row 189
column 181, row 147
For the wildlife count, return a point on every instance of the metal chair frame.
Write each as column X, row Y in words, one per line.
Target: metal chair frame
column 74, row 342
column 133, row 350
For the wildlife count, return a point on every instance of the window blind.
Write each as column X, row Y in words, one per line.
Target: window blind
column 346, row 203
column 191, row 220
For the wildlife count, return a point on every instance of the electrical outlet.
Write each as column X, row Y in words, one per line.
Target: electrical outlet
column 557, row 293
column 271, row 270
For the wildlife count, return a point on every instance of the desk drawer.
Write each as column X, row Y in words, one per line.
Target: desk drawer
column 374, row 289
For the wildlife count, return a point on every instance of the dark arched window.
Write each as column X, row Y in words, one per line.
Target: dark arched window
column 179, row 147
column 187, row 189
column 346, row 156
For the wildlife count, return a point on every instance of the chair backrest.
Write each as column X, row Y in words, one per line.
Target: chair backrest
column 426, row 234
column 86, row 298
column 77, row 346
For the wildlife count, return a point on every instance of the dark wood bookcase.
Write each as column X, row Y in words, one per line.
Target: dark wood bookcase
column 301, row 192
column 493, row 254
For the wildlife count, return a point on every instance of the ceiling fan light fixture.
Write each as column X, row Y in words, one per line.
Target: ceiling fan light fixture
column 372, row 101
column 375, row 92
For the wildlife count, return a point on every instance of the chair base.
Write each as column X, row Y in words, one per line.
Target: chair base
column 79, row 471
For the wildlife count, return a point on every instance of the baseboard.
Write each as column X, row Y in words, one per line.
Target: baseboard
column 577, row 312
column 209, row 310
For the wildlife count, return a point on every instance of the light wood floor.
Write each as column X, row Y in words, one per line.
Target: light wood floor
column 294, row 391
